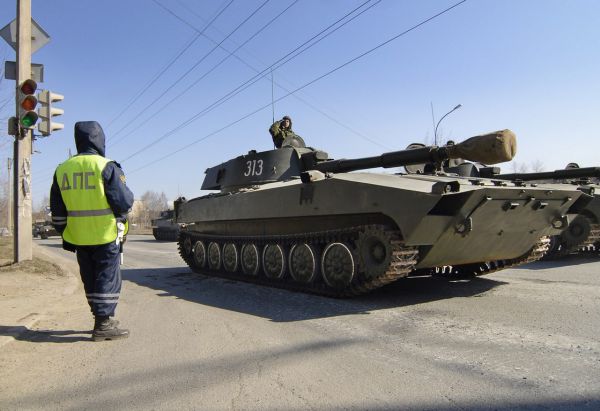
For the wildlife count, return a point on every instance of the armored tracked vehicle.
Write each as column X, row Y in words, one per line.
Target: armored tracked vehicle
column 44, row 230
column 293, row 218
column 164, row 228
column 583, row 233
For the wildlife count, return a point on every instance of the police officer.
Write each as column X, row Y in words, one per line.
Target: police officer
column 280, row 130
column 89, row 202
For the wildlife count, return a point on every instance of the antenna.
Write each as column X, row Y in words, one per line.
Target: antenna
column 433, row 120
column 272, row 95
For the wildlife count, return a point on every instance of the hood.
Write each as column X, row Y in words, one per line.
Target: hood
column 89, row 138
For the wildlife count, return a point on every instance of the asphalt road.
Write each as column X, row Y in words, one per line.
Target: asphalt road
column 525, row 338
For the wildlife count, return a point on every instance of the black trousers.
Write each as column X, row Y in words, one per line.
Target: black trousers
column 101, row 276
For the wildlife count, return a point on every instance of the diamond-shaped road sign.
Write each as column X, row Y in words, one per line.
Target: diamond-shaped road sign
column 39, row 38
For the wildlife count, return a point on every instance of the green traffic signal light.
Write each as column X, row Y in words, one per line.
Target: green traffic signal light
column 29, row 119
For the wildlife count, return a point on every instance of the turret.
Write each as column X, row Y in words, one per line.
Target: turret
column 293, row 159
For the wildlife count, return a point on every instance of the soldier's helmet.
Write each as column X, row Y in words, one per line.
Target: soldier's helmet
column 289, row 119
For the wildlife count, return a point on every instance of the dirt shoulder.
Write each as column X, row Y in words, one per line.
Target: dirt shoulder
column 29, row 289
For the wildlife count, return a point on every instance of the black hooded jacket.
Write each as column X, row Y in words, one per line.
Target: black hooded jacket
column 89, row 139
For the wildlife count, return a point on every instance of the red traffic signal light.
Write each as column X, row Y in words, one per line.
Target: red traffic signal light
column 29, row 86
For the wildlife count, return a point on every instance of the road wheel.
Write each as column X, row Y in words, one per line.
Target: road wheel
column 250, row 259
column 230, row 257
column 199, row 254
column 214, row 256
column 273, row 261
column 375, row 252
column 302, row 262
column 337, row 265
column 187, row 246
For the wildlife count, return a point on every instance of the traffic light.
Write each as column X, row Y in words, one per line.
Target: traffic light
column 47, row 112
column 27, row 102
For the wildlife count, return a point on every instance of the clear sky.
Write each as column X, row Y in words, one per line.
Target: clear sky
column 176, row 87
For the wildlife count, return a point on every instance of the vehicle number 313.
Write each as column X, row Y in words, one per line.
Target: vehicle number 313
column 254, row 168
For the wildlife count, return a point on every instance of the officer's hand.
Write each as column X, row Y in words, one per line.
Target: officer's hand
column 120, row 233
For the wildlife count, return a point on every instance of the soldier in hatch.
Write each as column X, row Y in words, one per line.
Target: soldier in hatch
column 280, row 130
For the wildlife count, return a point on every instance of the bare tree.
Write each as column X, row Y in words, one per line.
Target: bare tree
column 155, row 201
column 519, row 167
column 41, row 211
column 152, row 204
column 537, row 166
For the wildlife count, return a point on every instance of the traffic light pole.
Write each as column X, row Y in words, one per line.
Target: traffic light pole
column 9, row 194
column 22, row 235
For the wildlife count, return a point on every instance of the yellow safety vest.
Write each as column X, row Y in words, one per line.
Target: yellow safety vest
column 90, row 220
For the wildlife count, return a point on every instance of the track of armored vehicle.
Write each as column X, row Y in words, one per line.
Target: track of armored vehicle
column 164, row 228
column 582, row 235
column 350, row 261
column 539, row 251
column 165, row 235
column 336, row 251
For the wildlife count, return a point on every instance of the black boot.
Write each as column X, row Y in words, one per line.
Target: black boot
column 106, row 329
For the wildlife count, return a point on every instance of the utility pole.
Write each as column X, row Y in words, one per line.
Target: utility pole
column 23, row 144
column 9, row 199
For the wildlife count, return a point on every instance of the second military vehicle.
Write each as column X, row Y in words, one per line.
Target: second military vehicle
column 164, row 228
column 294, row 218
column 583, row 233
column 44, row 229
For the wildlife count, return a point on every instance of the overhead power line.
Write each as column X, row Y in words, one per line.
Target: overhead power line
column 231, row 94
column 149, row 84
column 213, row 68
column 328, row 73
column 280, row 62
column 196, row 64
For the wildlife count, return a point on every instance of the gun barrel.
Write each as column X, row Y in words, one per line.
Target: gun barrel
column 490, row 148
column 553, row 175
column 386, row 160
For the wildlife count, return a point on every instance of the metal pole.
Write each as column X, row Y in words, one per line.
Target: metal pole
column 443, row 117
column 9, row 197
column 433, row 120
column 22, row 148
